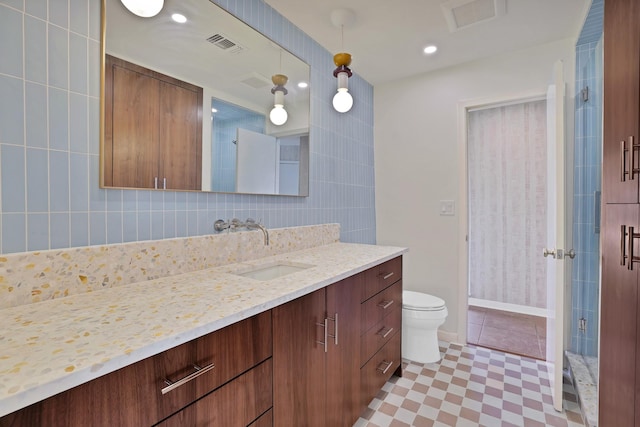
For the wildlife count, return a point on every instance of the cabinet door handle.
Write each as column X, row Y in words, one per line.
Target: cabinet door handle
column 171, row 385
column 335, row 328
column 631, row 236
column 632, row 157
column 164, row 183
column 385, row 304
column 324, row 343
column 385, row 368
column 384, row 334
column 623, row 244
column 155, row 182
column 386, row 276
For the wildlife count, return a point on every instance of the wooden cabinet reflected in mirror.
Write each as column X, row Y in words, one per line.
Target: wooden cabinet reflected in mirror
column 161, row 81
column 153, row 129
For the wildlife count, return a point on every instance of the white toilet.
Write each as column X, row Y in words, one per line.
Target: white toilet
column 422, row 314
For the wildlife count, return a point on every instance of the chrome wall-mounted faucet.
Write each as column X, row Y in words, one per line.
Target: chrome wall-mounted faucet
column 234, row 224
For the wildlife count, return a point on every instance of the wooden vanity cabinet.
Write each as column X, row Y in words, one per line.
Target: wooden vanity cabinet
column 619, row 379
column 316, row 374
column 132, row 396
column 153, row 129
column 381, row 325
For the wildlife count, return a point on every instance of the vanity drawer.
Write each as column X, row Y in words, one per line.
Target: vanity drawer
column 132, row 396
column 235, row 349
column 231, row 350
column 381, row 305
column 379, row 369
column 236, row 404
column 380, row 334
column 381, row 276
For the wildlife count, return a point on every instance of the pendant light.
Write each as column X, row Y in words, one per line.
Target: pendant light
column 144, row 8
column 342, row 100
column 278, row 114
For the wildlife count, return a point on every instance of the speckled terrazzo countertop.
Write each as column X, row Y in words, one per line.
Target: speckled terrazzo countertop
column 54, row 345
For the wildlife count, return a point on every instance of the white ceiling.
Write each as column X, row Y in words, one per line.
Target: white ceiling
column 388, row 36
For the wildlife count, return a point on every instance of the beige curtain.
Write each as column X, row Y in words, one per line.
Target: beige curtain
column 507, row 203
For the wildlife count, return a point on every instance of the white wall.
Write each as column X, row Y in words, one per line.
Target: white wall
column 418, row 159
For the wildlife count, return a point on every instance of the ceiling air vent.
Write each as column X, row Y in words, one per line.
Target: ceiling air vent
column 224, row 43
column 465, row 13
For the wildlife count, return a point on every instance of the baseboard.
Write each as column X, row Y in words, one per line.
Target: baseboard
column 448, row 336
column 504, row 306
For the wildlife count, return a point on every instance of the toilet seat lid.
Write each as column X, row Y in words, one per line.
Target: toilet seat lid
column 419, row 301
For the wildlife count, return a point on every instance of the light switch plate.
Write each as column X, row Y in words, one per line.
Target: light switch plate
column 447, row 207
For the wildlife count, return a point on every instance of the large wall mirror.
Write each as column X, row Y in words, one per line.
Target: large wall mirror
column 187, row 105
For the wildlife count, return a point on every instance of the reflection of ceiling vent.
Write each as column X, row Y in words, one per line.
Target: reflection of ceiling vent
column 465, row 13
column 224, row 43
column 255, row 80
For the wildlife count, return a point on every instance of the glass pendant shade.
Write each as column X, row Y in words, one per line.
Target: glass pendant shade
column 144, row 8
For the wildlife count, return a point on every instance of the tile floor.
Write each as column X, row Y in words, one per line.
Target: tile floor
column 511, row 332
column 471, row 386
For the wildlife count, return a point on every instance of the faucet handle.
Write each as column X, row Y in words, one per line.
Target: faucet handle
column 220, row 225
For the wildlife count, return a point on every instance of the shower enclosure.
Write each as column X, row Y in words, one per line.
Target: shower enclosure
column 585, row 284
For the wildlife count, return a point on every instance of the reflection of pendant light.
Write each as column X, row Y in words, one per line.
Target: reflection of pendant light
column 278, row 115
column 144, row 8
column 342, row 101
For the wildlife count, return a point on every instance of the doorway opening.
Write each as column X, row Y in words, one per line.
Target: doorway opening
column 507, row 223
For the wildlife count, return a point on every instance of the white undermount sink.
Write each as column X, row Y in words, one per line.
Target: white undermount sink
column 272, row 271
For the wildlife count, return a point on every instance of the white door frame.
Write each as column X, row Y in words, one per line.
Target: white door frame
column 463, row 173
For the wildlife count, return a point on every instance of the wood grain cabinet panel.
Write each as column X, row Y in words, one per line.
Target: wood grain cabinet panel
column 314, row 387
column 381, row 276
column 380, row 305
column 619, row 384
column 377, row 371
column 619, row 312
column 153, row 129
column 381, row 325
column 236, row 404
column 132, row 396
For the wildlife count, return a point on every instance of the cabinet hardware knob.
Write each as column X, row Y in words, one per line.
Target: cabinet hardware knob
column 171, row 385
column 384, row 334
column 385, row 304
column 386, row 368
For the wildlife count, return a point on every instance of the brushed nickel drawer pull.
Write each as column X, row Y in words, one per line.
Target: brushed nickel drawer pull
column 385, row 304
column 324, row 343
column 171, row 385
column 335, row 328
column 386, row 368
column 384, row 334
column 633, row 147
column 623, row 244
column 386, row 276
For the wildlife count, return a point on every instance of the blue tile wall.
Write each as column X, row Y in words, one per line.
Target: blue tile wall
column 49, row 141
column 587, row 184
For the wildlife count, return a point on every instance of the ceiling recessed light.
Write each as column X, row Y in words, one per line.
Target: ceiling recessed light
column 179, row 18
column 430, row 49
column 303, row 85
